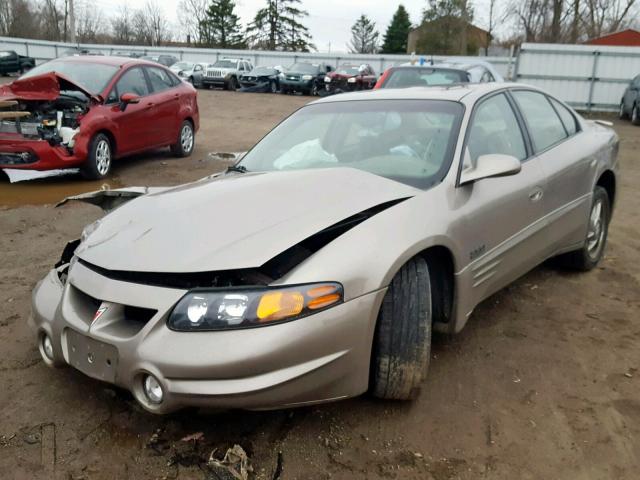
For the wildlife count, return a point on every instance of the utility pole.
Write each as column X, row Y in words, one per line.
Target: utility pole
column 72, row 23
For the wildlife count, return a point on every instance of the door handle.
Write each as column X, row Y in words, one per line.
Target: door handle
column 150, row 104
column 536, row 194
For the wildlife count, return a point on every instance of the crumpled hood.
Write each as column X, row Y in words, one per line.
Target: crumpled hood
column 233, row 221
column 45, row 87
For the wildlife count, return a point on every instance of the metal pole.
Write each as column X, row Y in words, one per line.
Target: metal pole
column 72, row 22
column 593, row 79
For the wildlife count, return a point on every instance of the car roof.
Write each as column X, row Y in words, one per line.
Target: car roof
column 455, row 92
column 115, row 61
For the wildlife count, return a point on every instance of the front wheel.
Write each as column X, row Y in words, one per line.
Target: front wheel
column 622, row 114
column 635, row 115
column 597, row 231
column 273, row 87
column 402, row 343
column 186, row 140
column 98, row 163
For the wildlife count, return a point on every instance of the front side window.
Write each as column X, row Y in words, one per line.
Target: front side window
column 409, row 141
column 543, row 123
column 133, row 81
column 160, row 79
column 494, row 129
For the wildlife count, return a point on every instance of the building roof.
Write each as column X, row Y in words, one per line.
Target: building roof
column 624, row 38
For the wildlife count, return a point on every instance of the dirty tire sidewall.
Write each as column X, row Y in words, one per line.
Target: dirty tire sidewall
column 635, row 115
column 94, row 166
column 402, row 343
column 622, row 115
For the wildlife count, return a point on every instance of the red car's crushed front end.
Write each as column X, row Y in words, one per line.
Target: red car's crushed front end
column 40, row 126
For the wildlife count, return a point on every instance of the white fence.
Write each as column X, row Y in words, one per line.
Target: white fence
column 588, row 77
column 43, row 50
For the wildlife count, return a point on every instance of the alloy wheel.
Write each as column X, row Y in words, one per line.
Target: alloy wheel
column 596, row 231
column 103, row 157
column 186, row 138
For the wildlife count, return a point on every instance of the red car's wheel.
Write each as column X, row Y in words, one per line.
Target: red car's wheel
column 98, row 163
column 186, row 140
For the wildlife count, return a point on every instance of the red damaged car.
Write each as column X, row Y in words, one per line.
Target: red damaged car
column 85, row 111
column 348, row 78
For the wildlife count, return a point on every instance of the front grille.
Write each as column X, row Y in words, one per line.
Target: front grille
column 293, row 77
column 17, row 158
column 215, row 74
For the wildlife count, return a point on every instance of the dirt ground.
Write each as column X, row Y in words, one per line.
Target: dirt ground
column 542, row 384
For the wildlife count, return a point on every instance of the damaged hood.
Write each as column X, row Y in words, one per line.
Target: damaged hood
column 45, row 87
column 232, row 222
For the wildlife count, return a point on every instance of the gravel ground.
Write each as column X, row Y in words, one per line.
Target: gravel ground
column 542, row 383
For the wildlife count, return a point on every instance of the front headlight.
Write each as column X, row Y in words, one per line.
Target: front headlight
column 307, row 77
column 351, row 80
column 207, row 310
column 88, row 230
column 327, row 79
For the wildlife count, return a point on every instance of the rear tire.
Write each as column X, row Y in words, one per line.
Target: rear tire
column 98, row 163
column 622, row 115
column 591, row 253
column 185, row 142
column 273, row 87
column 402, row 343
column 635, row 115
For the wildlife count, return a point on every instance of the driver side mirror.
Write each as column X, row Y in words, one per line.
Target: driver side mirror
column 491, row 165
column 126, row 99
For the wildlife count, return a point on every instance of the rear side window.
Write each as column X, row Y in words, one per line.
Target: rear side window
column 494, row 129
column 133, row 81
column 568, row 120
column 544, row 125
column 160, row 79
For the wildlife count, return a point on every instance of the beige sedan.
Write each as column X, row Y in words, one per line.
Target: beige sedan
column 316, row 268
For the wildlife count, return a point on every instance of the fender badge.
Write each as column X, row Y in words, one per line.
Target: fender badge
column 99, row 313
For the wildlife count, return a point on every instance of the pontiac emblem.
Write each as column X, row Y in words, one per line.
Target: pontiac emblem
column 99, row 313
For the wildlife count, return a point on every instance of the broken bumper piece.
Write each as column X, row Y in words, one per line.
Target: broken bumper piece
column 117, row 332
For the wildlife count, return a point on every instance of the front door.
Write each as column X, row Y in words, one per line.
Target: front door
column 501, row 218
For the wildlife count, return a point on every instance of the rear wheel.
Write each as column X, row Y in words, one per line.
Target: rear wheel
column 273, row 87
column 598, row 228
column 622, row 114
column 402, row 343
column 98, row 163
column 635, row 115
column 233, row 84
column 186, row 140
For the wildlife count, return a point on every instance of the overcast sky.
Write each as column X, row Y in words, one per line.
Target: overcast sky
column 329, row 21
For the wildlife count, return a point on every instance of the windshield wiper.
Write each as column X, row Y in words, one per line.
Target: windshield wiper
column 237, row 169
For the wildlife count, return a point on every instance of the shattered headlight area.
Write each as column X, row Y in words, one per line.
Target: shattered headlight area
column 208, row 310
column 66, row 260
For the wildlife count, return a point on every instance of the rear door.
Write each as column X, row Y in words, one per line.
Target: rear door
column 631, row 94
column 567, row 162
column 164, row 100
column 503, row 221
column 134, row 123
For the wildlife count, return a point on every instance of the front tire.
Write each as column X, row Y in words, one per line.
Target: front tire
column 402, row 343
column 592, row 252
column 635, row 115
column 98, row 163
column 622, row 115
column 186, row 140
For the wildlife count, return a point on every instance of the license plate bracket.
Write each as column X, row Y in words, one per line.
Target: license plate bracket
column 96, row 359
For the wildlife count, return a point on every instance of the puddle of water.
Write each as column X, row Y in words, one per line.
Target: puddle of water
column 49, row 190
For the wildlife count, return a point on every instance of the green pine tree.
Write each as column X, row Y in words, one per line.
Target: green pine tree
column 364, row 36
column 395, row 39
column 276, row 27
column 221, row 28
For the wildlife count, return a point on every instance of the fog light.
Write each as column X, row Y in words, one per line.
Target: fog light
column 47, row 347
column 153, row 389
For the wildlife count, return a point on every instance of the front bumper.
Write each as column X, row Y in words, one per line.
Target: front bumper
column 215, row 81
column 296, row 85
column 41, row 155
column 316, row 359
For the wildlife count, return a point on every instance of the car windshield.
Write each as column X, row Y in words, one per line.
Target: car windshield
column 410, row 141
column 225, row 64
column 263, row 71
column 93, row 77
column 304, row 68
column 182, row 66
column 424, row 77
column 348, row 70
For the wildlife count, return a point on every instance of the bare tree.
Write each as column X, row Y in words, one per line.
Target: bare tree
column 191, row 16
column 90, row 25
column 122, row 26
column 51, row 20
column 157, row 24
column 18, row 18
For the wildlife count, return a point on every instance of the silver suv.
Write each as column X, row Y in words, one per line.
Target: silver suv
column 225, row 73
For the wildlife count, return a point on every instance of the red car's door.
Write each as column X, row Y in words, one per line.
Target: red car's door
column 165, row 97
column 134, row 123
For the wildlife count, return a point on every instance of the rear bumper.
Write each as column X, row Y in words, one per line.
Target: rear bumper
column 42, row 156
column 320, row 358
